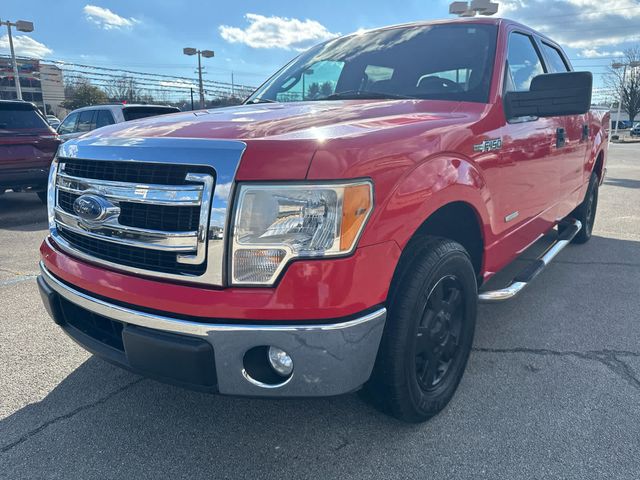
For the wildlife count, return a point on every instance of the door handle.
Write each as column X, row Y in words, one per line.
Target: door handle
column 560, row 138
column 585, row 132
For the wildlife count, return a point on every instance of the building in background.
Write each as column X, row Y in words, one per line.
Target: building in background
column 42, row 84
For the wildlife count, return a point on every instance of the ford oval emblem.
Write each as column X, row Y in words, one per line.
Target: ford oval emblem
column 93, row 208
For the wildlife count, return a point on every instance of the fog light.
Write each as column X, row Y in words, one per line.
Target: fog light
column 280, row 361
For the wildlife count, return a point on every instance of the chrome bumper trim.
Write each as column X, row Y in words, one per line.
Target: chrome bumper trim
column 328, row 359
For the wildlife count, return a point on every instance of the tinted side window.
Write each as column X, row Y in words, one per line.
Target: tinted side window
column 555, row 59
column 523, row 63
column 104, row 118
column 135, row 113
column 69, row 124
column 85, row 121
column 17, row 116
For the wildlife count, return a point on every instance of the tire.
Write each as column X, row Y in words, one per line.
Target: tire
column 42, row 196
column 428, row 333
column 586, row 211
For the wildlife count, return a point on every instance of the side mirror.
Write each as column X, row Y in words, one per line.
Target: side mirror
column 552, row 95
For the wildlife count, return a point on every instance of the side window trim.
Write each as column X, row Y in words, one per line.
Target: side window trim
column 536, row 47
column 561, row 53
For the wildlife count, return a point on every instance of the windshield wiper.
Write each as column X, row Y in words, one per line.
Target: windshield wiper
column 364, row 94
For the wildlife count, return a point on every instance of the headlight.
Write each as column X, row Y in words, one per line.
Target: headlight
column 276, row 223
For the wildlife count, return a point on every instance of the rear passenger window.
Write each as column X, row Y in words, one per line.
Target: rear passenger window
column 555, row 59
column 523, row 63
column 104, row 118
column 85, row 121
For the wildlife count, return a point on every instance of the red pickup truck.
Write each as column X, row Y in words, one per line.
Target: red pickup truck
column 334, row 231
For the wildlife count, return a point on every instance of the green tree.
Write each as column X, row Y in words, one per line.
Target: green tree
column 313, row 91
column 326, row 89
column 81, row 93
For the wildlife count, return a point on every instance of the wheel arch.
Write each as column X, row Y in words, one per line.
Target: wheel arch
column 444, row 196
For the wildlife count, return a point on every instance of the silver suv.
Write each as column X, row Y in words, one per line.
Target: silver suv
column 85, row 119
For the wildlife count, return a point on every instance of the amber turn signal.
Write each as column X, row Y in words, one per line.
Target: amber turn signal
column 355, row 210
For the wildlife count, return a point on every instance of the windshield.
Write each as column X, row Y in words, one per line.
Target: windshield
column 439, row 62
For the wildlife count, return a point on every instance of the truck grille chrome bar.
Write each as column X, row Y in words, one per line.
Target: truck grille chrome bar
column 171, row 229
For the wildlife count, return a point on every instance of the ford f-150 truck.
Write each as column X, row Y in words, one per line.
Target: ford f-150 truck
column 333, row 232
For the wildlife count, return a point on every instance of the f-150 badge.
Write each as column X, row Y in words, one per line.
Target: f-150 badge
column 488, row 145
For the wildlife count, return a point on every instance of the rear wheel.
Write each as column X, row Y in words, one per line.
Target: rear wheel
column 586, row 211
column 428, row 333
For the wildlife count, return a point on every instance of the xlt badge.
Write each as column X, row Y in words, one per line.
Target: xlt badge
column 488, row 145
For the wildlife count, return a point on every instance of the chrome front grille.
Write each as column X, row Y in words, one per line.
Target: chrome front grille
column 105, row 207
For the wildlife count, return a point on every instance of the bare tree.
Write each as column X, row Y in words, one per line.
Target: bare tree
column 630, row 86
column 123, row 89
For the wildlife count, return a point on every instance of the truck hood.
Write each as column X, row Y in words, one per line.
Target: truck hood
column 281, row 121
column 282, row 138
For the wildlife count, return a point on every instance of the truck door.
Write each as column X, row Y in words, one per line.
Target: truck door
column 530, row 159
column 575, row 144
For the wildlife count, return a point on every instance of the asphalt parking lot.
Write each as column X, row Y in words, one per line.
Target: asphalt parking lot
column 552, row 389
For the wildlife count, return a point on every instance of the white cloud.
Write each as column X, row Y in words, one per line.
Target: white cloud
column 25, row 46
column 595, row 53
column 277, row 32
column 106, row 19
column 582, row 24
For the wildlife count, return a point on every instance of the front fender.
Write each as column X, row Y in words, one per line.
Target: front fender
column 433, row 183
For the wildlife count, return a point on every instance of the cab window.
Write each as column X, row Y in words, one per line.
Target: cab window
column 523, row 63
column 86, row 122
column 555, row 59
column 104, row 118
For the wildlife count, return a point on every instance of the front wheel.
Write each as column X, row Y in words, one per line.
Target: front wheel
column 428, row 333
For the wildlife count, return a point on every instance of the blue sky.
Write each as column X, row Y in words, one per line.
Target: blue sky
column 254, row 38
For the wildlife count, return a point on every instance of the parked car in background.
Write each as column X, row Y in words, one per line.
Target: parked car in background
column 85, row 119
column 635, row 131
column 622, row 124
column 53, row 121
column 27, row 146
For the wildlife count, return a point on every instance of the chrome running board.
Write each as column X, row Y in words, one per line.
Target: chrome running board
column 526, row 276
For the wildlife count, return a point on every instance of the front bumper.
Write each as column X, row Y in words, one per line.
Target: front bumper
column 328, row 359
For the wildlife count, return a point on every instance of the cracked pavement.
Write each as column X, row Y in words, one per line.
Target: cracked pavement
column 552, row 389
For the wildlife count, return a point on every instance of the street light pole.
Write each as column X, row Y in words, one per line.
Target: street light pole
column 200, row 53
column 16, row 74
column 22, row 26
column 624, row 76
column 201, row 87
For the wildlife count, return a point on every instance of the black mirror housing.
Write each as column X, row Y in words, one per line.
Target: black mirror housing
column 552, row 95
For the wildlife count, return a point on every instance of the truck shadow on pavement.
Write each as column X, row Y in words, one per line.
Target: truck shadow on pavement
column 101, row 421
column 22, row 211
column 622, row 182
